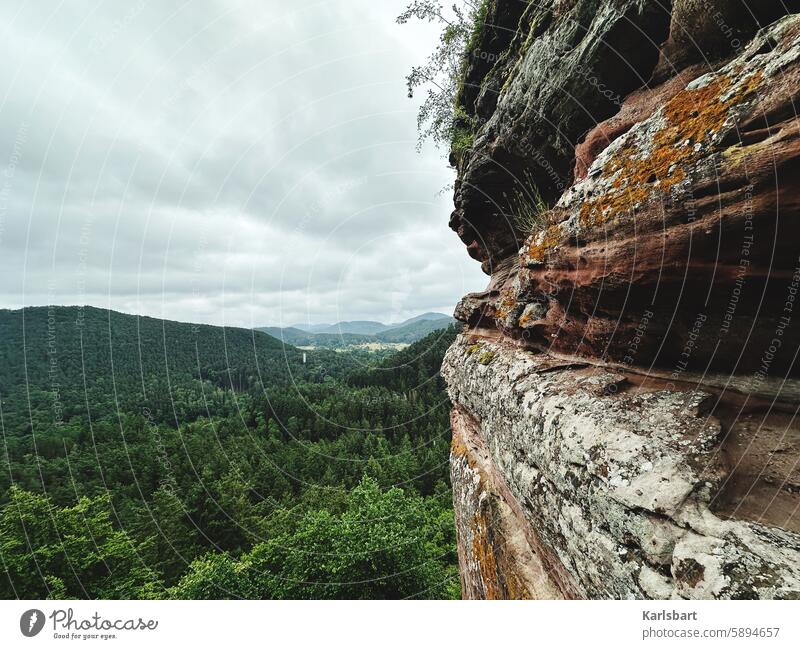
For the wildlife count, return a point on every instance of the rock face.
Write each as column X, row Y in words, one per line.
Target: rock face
column 569, row 480
column 625, row 389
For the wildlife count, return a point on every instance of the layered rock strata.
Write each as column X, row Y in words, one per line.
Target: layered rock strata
column 625, row 389
column 572, row 481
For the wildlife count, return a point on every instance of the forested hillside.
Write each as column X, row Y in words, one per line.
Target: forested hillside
column 346, row 334
column 148, row 458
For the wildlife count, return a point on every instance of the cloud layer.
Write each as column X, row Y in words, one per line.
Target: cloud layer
column 237, row 162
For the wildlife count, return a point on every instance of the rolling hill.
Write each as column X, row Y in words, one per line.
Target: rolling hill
column 144, row 458
column 344, row 334
column 58, row 359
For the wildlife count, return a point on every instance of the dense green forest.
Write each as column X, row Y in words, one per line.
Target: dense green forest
column 145, row 458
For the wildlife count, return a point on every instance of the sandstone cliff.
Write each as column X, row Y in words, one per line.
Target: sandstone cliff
column 625, row 388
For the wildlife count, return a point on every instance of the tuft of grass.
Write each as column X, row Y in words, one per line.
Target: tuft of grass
column 526, row 206
column 462, row 142
column 474, row 348
column 486, row 358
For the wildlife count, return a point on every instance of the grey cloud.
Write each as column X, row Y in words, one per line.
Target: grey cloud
column 229, row 162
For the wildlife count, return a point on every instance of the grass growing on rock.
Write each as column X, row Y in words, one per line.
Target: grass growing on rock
column 527, row 207
column 461, row 143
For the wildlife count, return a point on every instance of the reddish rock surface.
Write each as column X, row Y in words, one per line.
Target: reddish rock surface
column 680, row 228
column 668, row 255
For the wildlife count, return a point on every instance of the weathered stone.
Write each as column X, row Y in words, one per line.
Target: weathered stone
column 703, row 31
column 625, row 389
column 680, row 234
column 498, row 552
column 570, row 67
column 616, row 487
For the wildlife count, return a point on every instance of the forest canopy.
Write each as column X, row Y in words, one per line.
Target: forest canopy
column 145, row 458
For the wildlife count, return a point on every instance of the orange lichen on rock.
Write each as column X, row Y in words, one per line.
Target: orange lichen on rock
column 542, row 245
column 458, row 448
column 483, row 555
column 505, row 305
column 691, row 117
column 499, row 581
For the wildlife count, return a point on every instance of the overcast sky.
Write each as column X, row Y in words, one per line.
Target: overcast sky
column 232, row 162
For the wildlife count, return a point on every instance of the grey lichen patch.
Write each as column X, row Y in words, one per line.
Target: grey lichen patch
column 615, row 483
column 654, row 585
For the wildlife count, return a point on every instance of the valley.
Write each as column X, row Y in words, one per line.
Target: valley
column 146, row 458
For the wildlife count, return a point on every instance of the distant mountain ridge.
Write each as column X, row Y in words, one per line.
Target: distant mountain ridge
column 429, row 315
column 360, row 326
column 356, row 327
column 356, row 332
